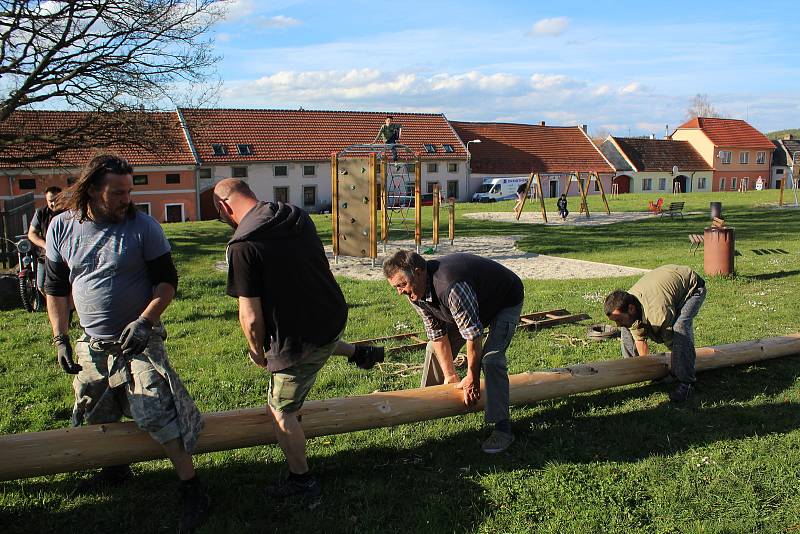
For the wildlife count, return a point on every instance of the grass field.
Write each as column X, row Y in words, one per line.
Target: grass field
column 620, row 460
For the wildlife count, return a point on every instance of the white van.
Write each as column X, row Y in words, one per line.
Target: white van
column 494, row 189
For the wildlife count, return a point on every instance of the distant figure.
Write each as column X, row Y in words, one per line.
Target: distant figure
column 390, row 133
column 38, row 228
column 562, row 207
column 520, row 198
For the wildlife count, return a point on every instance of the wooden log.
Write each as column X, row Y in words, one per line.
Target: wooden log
column 72, row 449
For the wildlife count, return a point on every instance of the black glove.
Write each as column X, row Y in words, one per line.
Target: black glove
column 64, row 349
column 366, row 356
column 135, row 336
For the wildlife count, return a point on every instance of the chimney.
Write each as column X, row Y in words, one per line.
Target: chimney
column 541, row 123
column 584, row 128
column 652, row 136
column 788, row 137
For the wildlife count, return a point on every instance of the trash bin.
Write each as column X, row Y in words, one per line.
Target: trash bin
column 718, row 251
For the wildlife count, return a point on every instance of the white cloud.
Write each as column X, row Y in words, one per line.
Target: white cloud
column 601, row 90
column 545, row 82
column 238, row 9
column 281, row 21
column 550, row 27
column 633, row 87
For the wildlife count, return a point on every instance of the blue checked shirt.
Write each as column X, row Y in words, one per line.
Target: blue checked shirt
column 463, row 306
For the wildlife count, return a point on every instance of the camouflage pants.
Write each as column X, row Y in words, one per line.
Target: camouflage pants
column 142, row 386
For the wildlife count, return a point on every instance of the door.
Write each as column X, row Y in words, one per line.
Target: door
column 174, row 213
column 281, row 194
column 452, row 189
column 679, row 184
column 623, row 184
column 553, row 188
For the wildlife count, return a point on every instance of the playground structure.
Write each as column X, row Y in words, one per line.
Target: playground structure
column 378, row 178
column 61, row 450
column 581, row 184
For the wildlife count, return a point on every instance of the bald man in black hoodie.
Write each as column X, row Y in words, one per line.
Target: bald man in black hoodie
column 291, row 310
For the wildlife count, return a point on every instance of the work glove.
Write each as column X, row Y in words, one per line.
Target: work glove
column 366, row 356
column 64, row 349
column 135, row 336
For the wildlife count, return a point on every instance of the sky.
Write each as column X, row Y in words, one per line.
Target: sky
column 621, row 67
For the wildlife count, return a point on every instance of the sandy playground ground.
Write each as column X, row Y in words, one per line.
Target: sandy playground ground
column 499, row 248
column 534, row 216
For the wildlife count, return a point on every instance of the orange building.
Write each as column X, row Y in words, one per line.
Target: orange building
column 164, row 181
column 738, row 153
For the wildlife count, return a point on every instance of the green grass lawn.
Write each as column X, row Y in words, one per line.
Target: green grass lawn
column 620, row 460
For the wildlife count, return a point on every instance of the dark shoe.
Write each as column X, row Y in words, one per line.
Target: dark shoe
column 366, row 356
column 309, row 492
column 682, row 392
column 196, row 505
column 497, row 441
column 108, row 477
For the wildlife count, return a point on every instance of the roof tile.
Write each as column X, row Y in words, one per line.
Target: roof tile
column 654, row 155
column 729, row 132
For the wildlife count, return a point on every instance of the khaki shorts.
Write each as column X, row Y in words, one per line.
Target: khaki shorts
column 289, row 387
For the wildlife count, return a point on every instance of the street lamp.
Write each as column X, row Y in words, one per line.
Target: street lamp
column 469, row 162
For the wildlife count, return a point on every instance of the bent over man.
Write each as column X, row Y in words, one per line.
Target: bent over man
column 457, row 296
column 118, row 264
column 292, row 313
column 661, row 306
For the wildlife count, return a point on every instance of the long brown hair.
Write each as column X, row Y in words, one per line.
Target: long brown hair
column 76, row 198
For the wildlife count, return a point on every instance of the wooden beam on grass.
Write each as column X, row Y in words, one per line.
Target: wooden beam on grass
column 72, row 449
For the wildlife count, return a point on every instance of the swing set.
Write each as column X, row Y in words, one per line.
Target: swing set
column 580, row 183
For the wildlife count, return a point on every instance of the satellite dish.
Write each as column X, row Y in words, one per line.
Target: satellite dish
column 674, row 170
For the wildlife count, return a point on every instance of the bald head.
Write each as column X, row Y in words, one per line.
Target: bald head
column 233, row 198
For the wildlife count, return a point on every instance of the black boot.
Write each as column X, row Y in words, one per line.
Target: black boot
column 195, row 503
column 108, row 477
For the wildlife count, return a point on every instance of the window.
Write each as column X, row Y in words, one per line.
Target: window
column 744, row 158
column 452, row 189
column 429, row 186
column 722, row 184
column 173, row 178
column 429, row 148
column 309, row 196
column 448, row 148
column 281, row 194
column 219, row 149
column 701, row 183
column 647, row 184
column 662, row 184
column 245, row 150
column 433, row 167
column 309, row 170
column 778, row 171
column 452, row 167
column 27, row 183
column 239, row 172
column 173, row 213
column 761, row 158
column 733, row 183
column 139, row 179
column 725, row 157
column 280, row 170
column 144, row 208
column 205, row 174
column 745, row 183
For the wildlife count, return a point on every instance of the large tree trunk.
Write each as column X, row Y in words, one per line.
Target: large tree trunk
column 71, row 449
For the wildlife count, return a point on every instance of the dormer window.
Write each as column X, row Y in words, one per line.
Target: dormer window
column 448, row 148
column 245, row 150
column 430, row 149
column 219, row 149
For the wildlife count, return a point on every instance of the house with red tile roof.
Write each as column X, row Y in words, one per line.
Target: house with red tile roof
column 738, row 153
column 285, row 154
column 164, row 171
column 509, row 149
column 785, row 161
column 660, row 166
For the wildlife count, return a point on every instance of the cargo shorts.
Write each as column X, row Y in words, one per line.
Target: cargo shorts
column 288, row 388
column 143, row 387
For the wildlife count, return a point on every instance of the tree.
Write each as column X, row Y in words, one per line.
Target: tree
column 701, row 106
column 112, row 59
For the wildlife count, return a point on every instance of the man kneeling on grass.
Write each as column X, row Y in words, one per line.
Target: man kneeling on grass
column 456, row 296
column 292, row 313
column 661, row 306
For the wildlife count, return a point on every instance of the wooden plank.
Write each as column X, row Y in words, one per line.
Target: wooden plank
column 71, row 449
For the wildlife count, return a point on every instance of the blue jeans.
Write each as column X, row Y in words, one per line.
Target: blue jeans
column 493, row 362
column 683, row 354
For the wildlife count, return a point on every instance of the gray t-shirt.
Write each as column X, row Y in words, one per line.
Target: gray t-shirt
column 110, row 283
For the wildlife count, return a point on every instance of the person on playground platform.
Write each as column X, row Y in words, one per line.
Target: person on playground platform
column 456, row 296
column 117, row 263
column 661, row 306
column 390, row 134
column 291, row 311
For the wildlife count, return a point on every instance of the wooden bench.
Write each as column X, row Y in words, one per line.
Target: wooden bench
column 675, row 208
column 695, row 240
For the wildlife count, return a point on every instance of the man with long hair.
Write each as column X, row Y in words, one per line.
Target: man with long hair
column 117, row 263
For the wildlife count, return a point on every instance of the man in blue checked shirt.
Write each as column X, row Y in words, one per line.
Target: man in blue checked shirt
column 457, row 296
